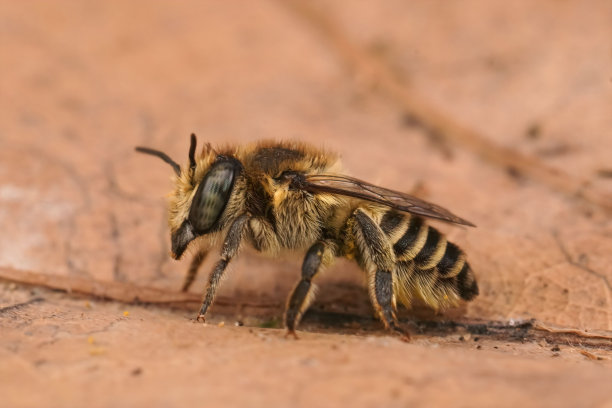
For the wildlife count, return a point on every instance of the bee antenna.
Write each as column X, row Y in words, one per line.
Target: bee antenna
column 192, row 149
column 161, row 155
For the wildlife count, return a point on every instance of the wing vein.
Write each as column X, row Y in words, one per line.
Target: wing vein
column 352, row 187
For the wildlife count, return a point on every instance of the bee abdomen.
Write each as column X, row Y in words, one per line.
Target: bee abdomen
column 419, row 242
column 433, row 250
column 466, row 283
column 413, row 239
column 452, row 262
column 428, row 263
column 447, row 267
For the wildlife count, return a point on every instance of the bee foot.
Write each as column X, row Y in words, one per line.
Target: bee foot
column 291, row 333
column 403, row 335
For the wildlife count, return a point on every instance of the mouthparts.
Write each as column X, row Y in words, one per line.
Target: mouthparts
column 181, row 239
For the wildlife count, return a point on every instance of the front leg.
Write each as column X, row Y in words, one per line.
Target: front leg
column 231, row 244
column 320, row 254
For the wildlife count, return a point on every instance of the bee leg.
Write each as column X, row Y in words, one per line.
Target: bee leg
column 384, row 303
column 231, row 244
column 196, row 262
column 379, row 260
column 302, row 295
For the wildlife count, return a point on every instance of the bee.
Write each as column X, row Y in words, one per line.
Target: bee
column 279, row 196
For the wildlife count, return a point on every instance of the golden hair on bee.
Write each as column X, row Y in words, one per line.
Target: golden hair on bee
column 278, row 196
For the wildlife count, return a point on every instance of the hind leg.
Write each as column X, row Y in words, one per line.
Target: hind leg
column 377, row 257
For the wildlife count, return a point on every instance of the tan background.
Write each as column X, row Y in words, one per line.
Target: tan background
column 500, row 112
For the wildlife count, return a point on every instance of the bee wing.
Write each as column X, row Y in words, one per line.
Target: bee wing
column 352, row 187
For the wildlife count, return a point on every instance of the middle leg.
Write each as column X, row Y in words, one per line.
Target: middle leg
column 196, row 261
column 320, row 254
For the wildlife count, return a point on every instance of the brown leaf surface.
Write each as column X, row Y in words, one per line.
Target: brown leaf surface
column 499, row 112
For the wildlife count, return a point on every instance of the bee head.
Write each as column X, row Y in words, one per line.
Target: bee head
column 201, row 194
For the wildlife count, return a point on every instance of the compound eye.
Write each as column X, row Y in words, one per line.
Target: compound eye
column 212, row 196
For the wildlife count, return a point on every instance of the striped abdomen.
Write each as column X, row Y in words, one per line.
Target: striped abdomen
column 428, row 266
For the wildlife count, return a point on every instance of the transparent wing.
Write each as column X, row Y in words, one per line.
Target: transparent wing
column 352, row 187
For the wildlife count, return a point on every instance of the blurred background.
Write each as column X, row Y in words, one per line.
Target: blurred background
column 499, row 111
